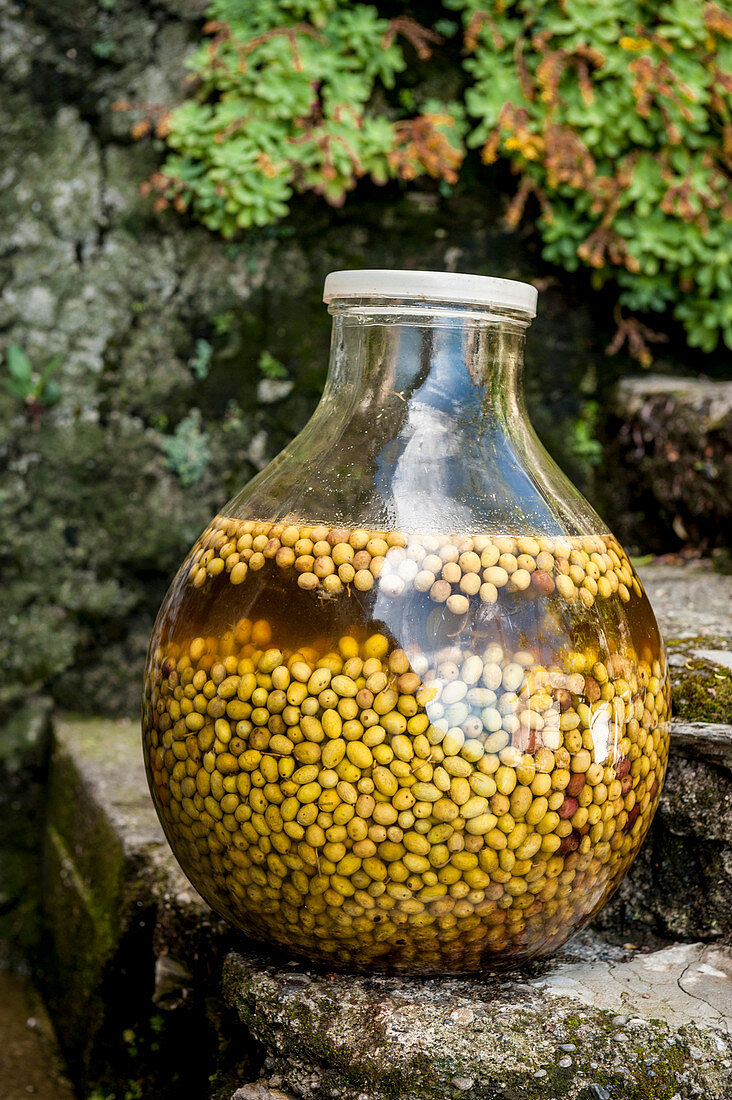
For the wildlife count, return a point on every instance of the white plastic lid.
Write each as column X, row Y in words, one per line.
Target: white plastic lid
column 432, row 286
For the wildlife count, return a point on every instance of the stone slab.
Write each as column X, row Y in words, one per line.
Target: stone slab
column 592, row 1022
column 682, row 984
column 689, row 601
column 716, row 656
column 107, row 756
column 708, row 741
column 715, row 398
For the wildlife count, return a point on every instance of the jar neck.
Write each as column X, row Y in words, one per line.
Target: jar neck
column 448, row 371
column 421, row 427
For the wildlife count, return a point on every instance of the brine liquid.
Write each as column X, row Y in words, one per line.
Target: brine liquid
column 430, row 753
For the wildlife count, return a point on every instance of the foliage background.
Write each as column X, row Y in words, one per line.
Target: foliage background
column 616, row 119
column 180, row 365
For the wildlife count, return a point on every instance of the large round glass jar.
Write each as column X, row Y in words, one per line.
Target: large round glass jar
column 406, row 702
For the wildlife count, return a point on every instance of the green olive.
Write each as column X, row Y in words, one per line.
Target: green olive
column 430, row 807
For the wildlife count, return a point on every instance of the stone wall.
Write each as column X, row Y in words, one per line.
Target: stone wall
column 160, row 325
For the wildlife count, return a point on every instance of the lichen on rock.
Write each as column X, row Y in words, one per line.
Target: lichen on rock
column 593, row 1017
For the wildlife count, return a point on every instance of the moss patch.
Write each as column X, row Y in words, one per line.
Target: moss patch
column 701, row 690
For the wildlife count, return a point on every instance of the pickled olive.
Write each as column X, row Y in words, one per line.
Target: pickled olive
column 451, row 578
column 460, row 801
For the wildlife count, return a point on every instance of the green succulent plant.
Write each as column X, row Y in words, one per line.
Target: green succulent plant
column 616, row 119
column 35, row 389
column 283, row 103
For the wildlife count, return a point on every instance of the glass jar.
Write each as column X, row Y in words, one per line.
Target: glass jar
column 406, row 702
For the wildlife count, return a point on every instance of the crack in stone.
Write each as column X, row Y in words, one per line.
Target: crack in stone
column 720, row 1019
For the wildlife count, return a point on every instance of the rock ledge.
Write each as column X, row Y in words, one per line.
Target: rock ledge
column 594, row 1023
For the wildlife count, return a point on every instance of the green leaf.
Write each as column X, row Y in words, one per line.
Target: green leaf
column 271, row 367
column 50, row 393
column 18, row 363
column 44, row 386
column 16, row 388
